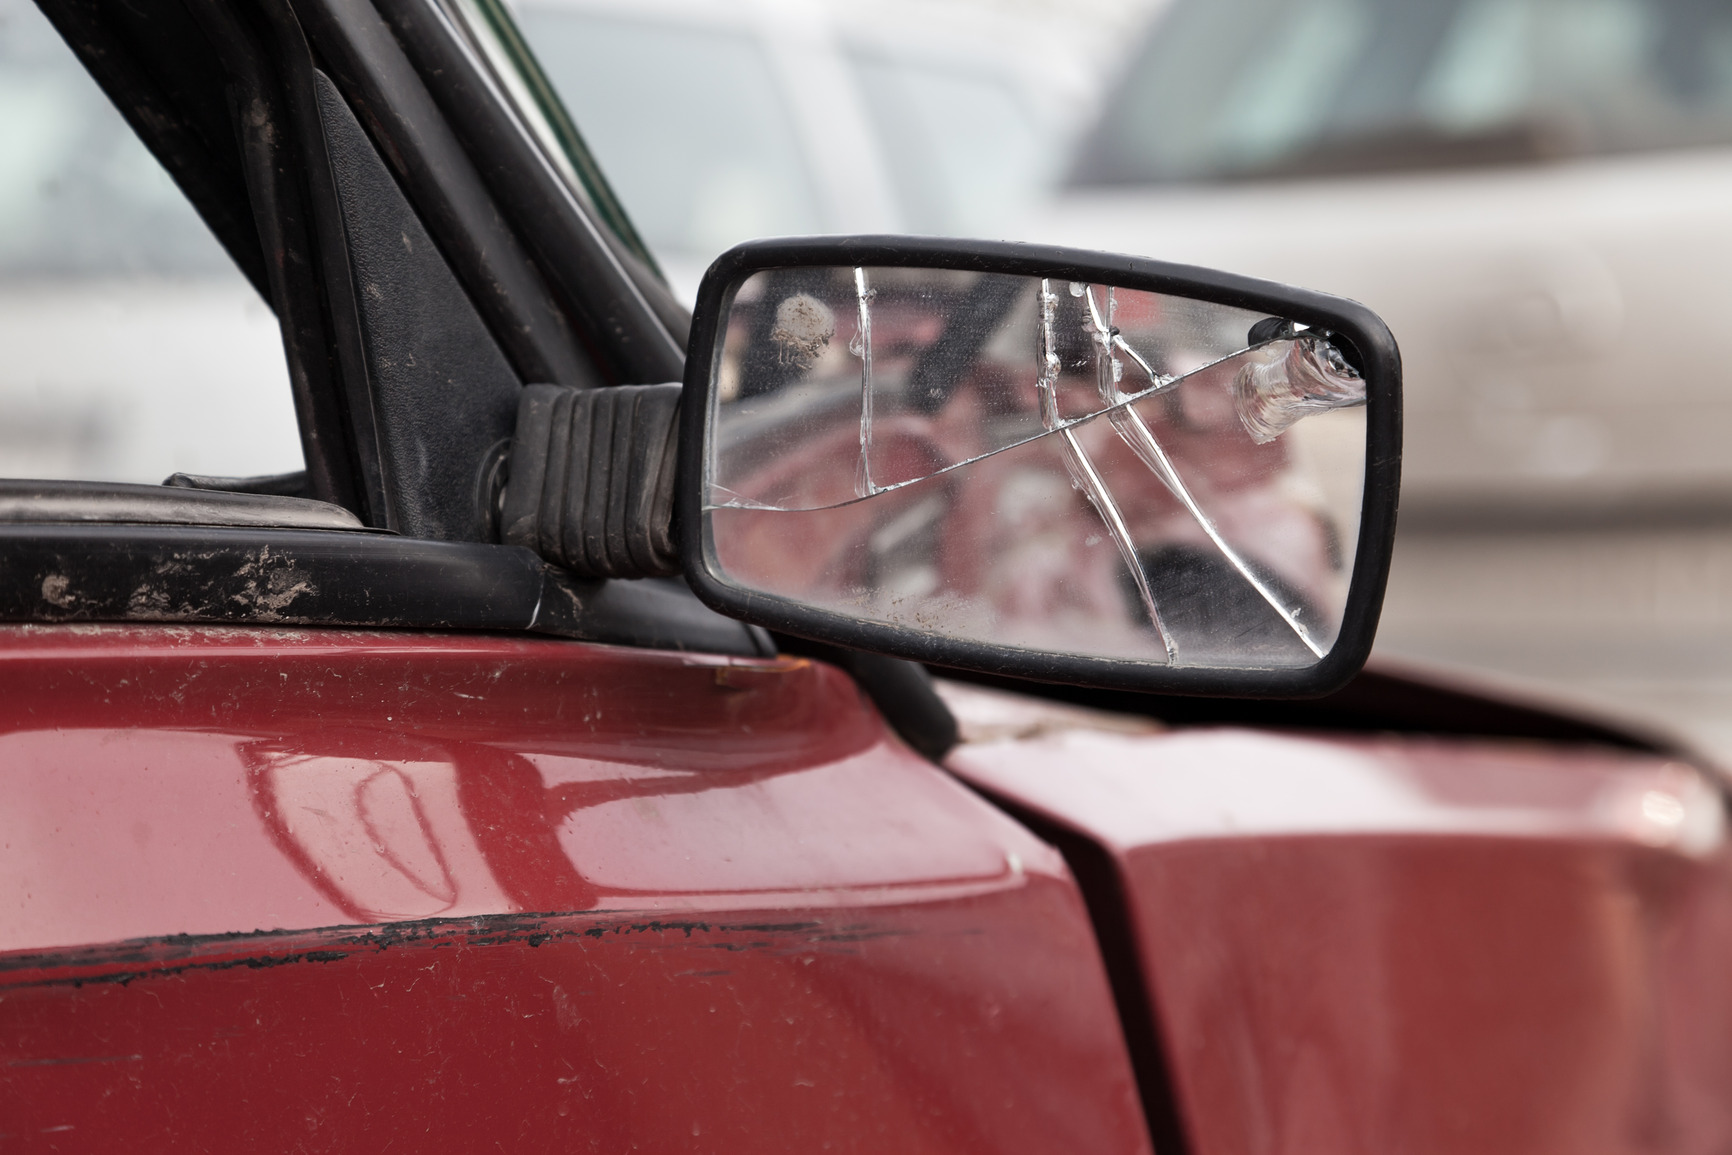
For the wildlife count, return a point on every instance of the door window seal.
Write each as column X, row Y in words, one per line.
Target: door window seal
column 97, row 502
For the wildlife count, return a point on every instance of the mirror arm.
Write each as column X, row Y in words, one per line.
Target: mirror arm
column 590, row 479
column 589, row 487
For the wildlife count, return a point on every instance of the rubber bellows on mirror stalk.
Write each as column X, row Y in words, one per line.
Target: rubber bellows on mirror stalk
column 591, row 479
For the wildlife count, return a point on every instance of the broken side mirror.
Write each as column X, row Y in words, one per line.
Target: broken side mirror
column 1041, row 463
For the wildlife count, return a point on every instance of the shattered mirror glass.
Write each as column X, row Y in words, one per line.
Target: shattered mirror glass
column 1042, row 464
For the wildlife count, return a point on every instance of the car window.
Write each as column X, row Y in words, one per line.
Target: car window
column 1247, row 88
column 687, row 122
column 133, row 346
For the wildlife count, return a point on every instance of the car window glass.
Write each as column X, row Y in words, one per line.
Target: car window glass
column 686, row 120
column 133, row 346
column 1244, row 88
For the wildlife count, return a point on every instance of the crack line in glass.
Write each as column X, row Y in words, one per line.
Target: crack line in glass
column 1167, row 384
column 1136, row 434
column 861, row 347
column 1158, row 380
column 1082, row 470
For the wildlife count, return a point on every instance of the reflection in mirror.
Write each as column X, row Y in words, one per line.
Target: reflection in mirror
column 1037, row 463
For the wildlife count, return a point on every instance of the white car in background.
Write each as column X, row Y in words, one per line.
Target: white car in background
column 1534, row 193
column 1537, row 196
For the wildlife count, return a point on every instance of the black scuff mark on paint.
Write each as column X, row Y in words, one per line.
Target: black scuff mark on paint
column 129, row 961
column 251, row 962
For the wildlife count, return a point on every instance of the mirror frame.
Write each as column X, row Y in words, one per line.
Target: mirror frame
column 1379, row 361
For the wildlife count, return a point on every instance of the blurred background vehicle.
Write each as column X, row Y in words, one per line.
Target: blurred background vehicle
column 1533, row 194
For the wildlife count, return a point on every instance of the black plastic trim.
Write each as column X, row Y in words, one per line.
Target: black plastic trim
column 442, row 392
column 249, row 576
column 626, row 313
column 1370, row 341
column 281, row 577
column 441, row 181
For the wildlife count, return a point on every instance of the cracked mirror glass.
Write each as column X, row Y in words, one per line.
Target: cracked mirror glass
column 1043, row 464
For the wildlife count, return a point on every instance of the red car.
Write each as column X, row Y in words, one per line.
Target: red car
column 409, row 803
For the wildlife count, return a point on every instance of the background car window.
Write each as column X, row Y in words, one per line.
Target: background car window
column 133, row 347
column 1270, row 87
column 966, row 152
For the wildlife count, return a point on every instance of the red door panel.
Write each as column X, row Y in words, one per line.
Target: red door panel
column 341, row 890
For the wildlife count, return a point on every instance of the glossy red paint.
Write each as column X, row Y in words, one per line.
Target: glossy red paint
column 341, row 890
column 1410, row 945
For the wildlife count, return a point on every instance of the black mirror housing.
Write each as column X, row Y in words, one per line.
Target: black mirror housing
column 1041, row 463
